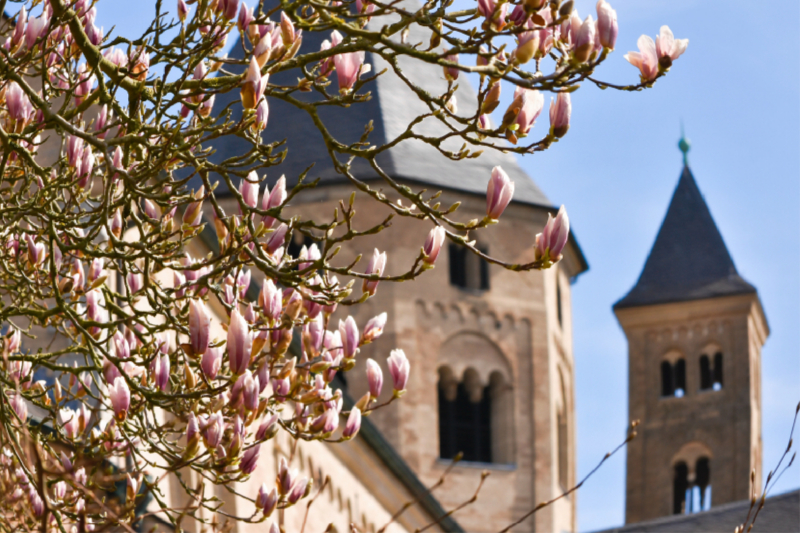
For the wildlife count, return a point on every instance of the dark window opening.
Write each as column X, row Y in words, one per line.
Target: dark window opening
column 692, row 496
column 705, row 373
column 464, row 422
column 711, row 377
column 673, row 378
column 467, row 270
column 680, row 377
column 680, row 485
column 717, row 371
column 667, row 387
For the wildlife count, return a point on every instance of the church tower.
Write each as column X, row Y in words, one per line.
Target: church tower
column 695, row 330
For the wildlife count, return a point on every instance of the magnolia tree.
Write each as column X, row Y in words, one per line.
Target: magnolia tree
column 95, row 238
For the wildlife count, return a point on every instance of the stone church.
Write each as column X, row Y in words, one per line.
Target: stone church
column 491, row 350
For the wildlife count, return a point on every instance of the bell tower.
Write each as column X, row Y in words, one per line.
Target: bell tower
column 695, row 329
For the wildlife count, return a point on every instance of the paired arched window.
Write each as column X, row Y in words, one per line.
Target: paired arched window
column 692, row 489
column 673, row 378
column 711, row 376
column 474, row 417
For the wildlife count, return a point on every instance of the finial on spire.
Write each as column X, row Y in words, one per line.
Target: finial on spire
column 684, row 146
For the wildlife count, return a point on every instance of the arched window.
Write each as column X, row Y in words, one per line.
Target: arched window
column 464, row 417
column 467, row 270
column 692, row 479
column 673, row 378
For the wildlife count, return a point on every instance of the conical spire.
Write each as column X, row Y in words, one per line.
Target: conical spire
column 689, row 260
column 391, row 109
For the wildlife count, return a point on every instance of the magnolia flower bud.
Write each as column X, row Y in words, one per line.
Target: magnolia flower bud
column 132, row 488
column 273, row 199
column 399, row 368
column 270, row 300
column 499, row 193
column 262, row 116
column 433, row 245
column 560, row 113
column 553, row 238
column 19, row 406
column 250, row 459
column 60, row 490
column 183, row 10
column 607, row 28
column 249, row 190
column 199, row 326
column 374, row 378
column 349, row 334
column 375, row 267
column 353, row 424
column 277, row 239
column 240, row 343
column 299, row 490
column 253, row 85
column 451, row 73
column 583, row 40
column 161, row 371
column 120, row 396
column 211, row 362
column 374, row 328
column 13, row 340
column 266, row 500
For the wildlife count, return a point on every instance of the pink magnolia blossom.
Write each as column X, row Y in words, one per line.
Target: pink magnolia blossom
column 353, row 423
column 267, row 500
column 560, row 114
column 374, row 378
column 375, row 267
column 249, row 190
column 18, row 404
column 161, row 371
column 583, row 40
column 532, row 105
column 273, row 199
column 246, row 17
column 399, row 368
column 240, row 343
column 18, row 103
column 498, row 193
column 349, row 335
column 277, row 239
column 253, row 86
column 183, row 10
column 120, row 396
column 607, row 28
column 451, row 73
column 374, row 328
column 646, row 59
column 349, row 66
column 250, row 459
column 199, row 326
column 551, row 241
column 211, row 362
column 668, row 48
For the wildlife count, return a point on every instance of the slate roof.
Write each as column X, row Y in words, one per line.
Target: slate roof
column 781, row 514
column 392, row 107
column 689, row 260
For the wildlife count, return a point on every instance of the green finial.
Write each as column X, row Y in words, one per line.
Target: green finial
column 684, row 146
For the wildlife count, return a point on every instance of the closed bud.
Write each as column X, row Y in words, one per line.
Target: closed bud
column 560, row 114
column 374, row 378
column 433, row 244
column 399, row 368
column 498, row 193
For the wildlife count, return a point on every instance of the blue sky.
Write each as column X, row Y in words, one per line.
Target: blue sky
column 737, row 92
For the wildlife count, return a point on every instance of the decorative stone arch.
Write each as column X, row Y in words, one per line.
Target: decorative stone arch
column 473, row 369
column 471, row 349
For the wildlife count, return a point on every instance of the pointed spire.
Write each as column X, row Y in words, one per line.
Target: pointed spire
column 689, row 259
